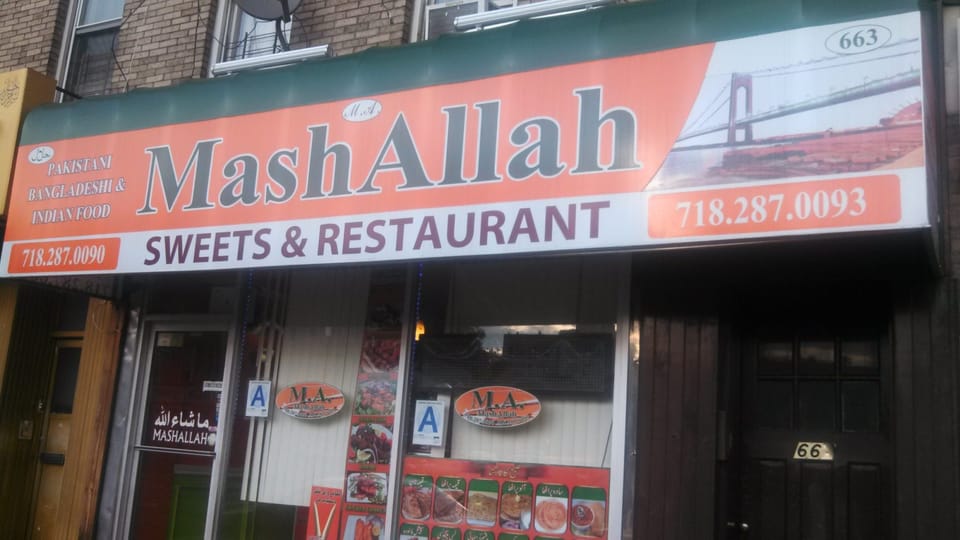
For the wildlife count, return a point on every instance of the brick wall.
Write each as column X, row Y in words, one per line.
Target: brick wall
column 163, row 43
column 30, row 34
column 349, row 26
column 167, row 42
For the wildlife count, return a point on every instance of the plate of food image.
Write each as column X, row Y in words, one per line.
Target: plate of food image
column 415, row 503
column 551, row 515
column 482, row 508
column 515, row 511
column 366, row 487
column 448, row 506
column 364, row 528
column 370, row 443
column 375, row 396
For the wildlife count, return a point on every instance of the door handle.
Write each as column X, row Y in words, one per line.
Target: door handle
column 742, row 527
column 48, row 458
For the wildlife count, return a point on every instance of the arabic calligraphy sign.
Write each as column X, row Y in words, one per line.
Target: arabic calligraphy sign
column 183, row 429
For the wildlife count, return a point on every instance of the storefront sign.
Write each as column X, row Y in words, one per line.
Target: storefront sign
column 325, row 507
column 497, row 406
column 20, row 91
column 182, row 429
column 310, row 400
column 258, row 398
column 808, row 131
column 428, row 420
column 550, row 500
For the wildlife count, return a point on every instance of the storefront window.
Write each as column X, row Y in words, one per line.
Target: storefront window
column 328, row 340
column 510, row 417
column 507, row 369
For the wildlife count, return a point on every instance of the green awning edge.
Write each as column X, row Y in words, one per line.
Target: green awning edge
column 607, row 32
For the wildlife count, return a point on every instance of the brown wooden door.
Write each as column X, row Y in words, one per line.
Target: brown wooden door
column 55, row 439
column 814, row 386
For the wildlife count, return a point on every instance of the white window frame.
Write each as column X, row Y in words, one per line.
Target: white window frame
column 71, row 30
column 146, row 340
column 234, row 31
column 227, row 25
column 428, row 6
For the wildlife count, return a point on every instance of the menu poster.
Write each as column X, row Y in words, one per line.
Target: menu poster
column 501, row 501
column 374, row 406
column 325, row 506
column 414, row 531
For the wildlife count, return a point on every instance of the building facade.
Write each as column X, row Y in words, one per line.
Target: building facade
column 479, row 270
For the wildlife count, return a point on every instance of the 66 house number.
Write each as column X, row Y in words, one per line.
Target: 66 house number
column 817, row 451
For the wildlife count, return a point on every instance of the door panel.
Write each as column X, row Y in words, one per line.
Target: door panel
column 55, row 439
column 829, row 386
column 865, row 502
column 771, row 481
column 175, row 457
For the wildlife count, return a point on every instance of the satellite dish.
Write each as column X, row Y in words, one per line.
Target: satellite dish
column 269, row 10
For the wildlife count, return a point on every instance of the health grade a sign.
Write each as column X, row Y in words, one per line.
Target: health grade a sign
column 807, row 131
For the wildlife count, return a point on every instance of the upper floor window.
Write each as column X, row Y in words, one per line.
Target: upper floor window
column 98, row 11
column 91, row 58
column 255, row 35
column 250, row 37
column 447, row 16
column 439, row 15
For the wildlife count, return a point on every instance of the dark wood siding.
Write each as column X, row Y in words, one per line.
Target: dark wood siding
column 676, row 443
column 26, row 383
column 925, row 413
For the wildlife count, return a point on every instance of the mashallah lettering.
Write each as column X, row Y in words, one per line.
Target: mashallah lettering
column 331, row 170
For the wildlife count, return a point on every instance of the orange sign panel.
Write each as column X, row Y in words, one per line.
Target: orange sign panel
column 310, row 400
column 639, row 150
column 861, row 200
column 497, row 406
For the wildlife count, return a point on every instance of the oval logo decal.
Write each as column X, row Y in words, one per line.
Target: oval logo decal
column 40, row 154
column 362, row 110
column 497, row 406
column 310, row 400
column 858, row 39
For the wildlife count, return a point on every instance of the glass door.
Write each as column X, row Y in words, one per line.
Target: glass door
column 175, row 453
